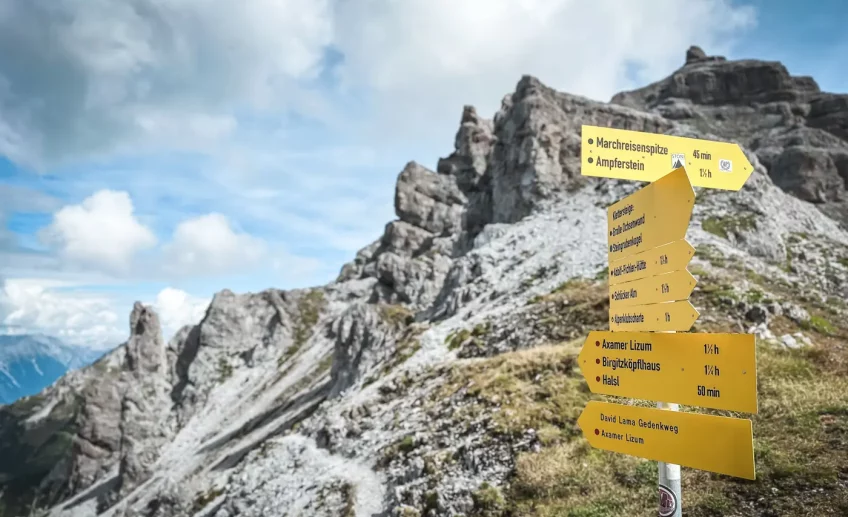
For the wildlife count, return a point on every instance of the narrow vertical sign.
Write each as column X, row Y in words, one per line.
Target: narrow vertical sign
column 655, row 215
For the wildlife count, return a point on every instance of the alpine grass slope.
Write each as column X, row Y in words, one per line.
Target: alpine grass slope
column 436, row 375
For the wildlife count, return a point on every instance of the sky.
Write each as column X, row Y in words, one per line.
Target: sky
column 162, row 151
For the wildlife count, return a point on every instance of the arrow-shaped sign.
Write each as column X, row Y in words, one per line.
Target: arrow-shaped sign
column 713, row 443
column 677, row 285
column 716, row 371
column 634, row 155
column 664, row 259
column 653, row 216
column 672, row 316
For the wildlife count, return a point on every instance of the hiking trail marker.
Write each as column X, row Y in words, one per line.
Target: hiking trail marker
column 715, row 443
column 634, row 155
column 717, row 371
column 666, row 317
column 677, row 285
column 642, row 356
column 673, row 256
column 655, row 215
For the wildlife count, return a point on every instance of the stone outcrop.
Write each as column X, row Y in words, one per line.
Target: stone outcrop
column 799, row 132
column 145, row 406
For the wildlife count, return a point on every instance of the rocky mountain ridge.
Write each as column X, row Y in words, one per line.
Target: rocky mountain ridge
column 798, row 132
column 436, row 374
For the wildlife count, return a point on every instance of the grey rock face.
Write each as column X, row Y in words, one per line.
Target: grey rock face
column 538, row 151
column 798, row 131
column 695, row 53
column 145, row 405
column 470, row 159
column 796, row 313
column 145, row 353
column 428, row 200
column 366, row 336
column 830, row 113
column 98, row 442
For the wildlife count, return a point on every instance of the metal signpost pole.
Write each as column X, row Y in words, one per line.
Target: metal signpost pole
column 669, row 486
column 671, row 500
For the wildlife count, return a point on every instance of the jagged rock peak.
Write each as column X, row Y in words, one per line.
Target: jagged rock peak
column 428, row 200
column 145, row 348
column 715, row 81
column 695, row 53
column 469, row 115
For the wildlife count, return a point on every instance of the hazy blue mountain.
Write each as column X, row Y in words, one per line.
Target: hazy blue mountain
column 30, row 363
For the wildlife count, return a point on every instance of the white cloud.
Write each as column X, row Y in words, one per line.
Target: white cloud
column 82, row 316
column 423, row 59
column 102, row 75
column 239, row 83
column 90, row 76
column 101, row 232
column 79, row 318
column 14, row 198
column 177, row 308
column 209, row 245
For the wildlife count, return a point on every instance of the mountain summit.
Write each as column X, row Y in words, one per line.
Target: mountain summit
column 437, row 375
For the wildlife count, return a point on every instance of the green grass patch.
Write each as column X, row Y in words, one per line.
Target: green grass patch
column 202, row 499
column 397, row 315
column 225, row 369
column 535, row 388
column 349, row 499
column 488, row 501
column 726, row 226
column 570, row 287
column 474, row 336
column 711, row 254
column 819, row 324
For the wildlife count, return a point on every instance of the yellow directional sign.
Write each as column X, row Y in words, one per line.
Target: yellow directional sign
column 634, row 155
column 717, row 371
column 653, row 216
column 656, row 261
column 673, row 316
column 677, row 285
column 713, row 443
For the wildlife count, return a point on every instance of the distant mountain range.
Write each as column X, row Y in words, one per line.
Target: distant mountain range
column 30, row 363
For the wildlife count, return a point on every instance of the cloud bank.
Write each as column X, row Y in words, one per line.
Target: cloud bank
column 194, row 147
column 81, row 78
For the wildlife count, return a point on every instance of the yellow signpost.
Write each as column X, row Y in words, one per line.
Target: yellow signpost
column 677, row 285
column 649, row 290
column 672, row 316
column 673, row 256
column 706, row 442
column 633, row 155
column 716, row 371
column 653, row 216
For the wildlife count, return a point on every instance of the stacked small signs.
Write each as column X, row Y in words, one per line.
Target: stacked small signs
column 641, row 356
column 652, row 217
